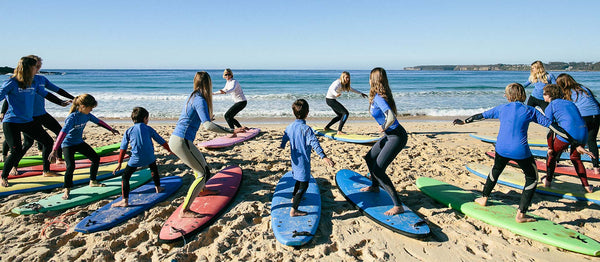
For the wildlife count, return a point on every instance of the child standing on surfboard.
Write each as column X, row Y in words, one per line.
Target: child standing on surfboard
column 140, row 137
column 302, row 139
column 565, row 113
column 511, row 143
column 70, row 139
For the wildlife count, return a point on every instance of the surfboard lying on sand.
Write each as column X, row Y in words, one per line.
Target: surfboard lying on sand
column 140, row 199
column 502, row 215
column 563, row 156
column 299, row 230
column 374, row 205
column 83, row 195
column 492, row 139
column 559, row 188
column 227, row 182
column 83, row 163
column 225, row 141
column 352, row 138
column 559, row 170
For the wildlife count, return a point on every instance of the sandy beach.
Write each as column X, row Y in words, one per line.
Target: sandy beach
column 435, row 149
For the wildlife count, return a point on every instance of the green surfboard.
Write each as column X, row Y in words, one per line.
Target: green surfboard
column 502, row 215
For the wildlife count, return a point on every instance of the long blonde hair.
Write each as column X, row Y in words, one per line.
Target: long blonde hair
column 83, row 100
column 203, row 87
column 379, row 85
column 538, row 73
column 345, row 87
column 25, row 71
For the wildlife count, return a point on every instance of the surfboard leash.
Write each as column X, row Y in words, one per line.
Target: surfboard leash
column 57, row 220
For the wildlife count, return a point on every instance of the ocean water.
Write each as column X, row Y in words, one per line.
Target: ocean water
column 270, row 93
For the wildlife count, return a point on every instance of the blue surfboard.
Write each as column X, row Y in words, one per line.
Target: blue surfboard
column 374, row 204
column 563, row 156
column 140, row 199
column 295, row 231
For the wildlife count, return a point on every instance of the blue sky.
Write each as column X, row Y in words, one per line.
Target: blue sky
column 296, row 34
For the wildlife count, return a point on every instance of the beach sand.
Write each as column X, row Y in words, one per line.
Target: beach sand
column 435, row 149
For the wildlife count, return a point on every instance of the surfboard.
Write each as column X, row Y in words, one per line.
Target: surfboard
column 299, row 230
column 82, row 195
column 140, row 200
column 492, row 139
column 83, row 163
column 559, row 170
column 563, row 156
column 499, row 214
column 38, row 183
column 352, row 138
column 374, row 204
column 559, row 188
column 227, row 182
column 37, row 160
column 225, row 141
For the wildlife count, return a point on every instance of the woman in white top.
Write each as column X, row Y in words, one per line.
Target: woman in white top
column 233, row 87
column 335, row 90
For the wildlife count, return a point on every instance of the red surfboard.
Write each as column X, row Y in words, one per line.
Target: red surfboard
column 560, row 169
column 83, row 163
column 227, row 182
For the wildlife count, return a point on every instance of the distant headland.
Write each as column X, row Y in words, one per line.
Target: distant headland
column 552, row 66
column 9, row 70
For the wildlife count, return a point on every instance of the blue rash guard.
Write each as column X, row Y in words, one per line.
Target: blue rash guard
column 302, row 139
column 20, row 101
column 586, row 104
column 74, row 125
column 566, row 114
column 39, row 106
column 193, row 114
column 378, row 109
column 538, row 87
column 140, row 137
column 514, row 122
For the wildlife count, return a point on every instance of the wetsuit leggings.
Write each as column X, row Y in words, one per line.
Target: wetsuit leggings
column 381, row 155
column 299, row 190
column 234, row 110
column 127, row 176
column 532, row 101
column 531, row 175
column 47, row 121
column 85, row 150
column 593, row 124
column 340, row 111
column 12, row 135
column 557, row 148
column 191, row 157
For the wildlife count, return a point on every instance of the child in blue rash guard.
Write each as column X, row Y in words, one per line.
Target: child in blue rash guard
column 140, row 137
column 70, row 139
column 512, row 144
column 566, row 114
column 302, row 139
column 539, row 78
column 383, row 152
column 197, row 111
column 20, row 92
column 335, row 90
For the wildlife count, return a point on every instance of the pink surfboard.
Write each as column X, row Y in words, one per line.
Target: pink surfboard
column 226, row 140
column 227, row 182
column 560, row 169
column 83, row 163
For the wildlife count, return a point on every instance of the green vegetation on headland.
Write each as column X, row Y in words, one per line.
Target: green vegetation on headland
column 9, row 70
column 552, row 66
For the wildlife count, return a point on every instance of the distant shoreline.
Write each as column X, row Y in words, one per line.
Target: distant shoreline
column 551, row 66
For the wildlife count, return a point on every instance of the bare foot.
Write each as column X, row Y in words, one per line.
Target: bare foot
column 232, row 136
column 297, row 213
column 95, row 183
column 589, row 189
column 50, row 174
column 67, row 194
column 597, row 170
column 14, row 172
column 341, row 133
column 189, row 214
column 4, row 182
column 482, row 201
column 546, row 183
column 122, row 203
column 208, row 192
column 369, row 189
column 159, row 189
column 60, row 162
column 522, row 218
column 327, row 129
column 394, row 210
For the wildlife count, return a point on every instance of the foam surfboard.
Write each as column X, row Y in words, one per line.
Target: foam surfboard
column 559, row 170
column 559, row 188
column 499, row 214
column 352, row 138
column 82, row 195
column 563, row 156
column 374, row 204
column 299, row 230
column 37, row 160
column 83, row 163
column 492, row 139
column 227, row 182
column 140, row 199
column 38, row 183
column 225, row 141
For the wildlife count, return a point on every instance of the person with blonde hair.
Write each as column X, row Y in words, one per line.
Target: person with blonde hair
column 335, row 90
column 233, row 87
column 511, row 144
column 539, row 78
